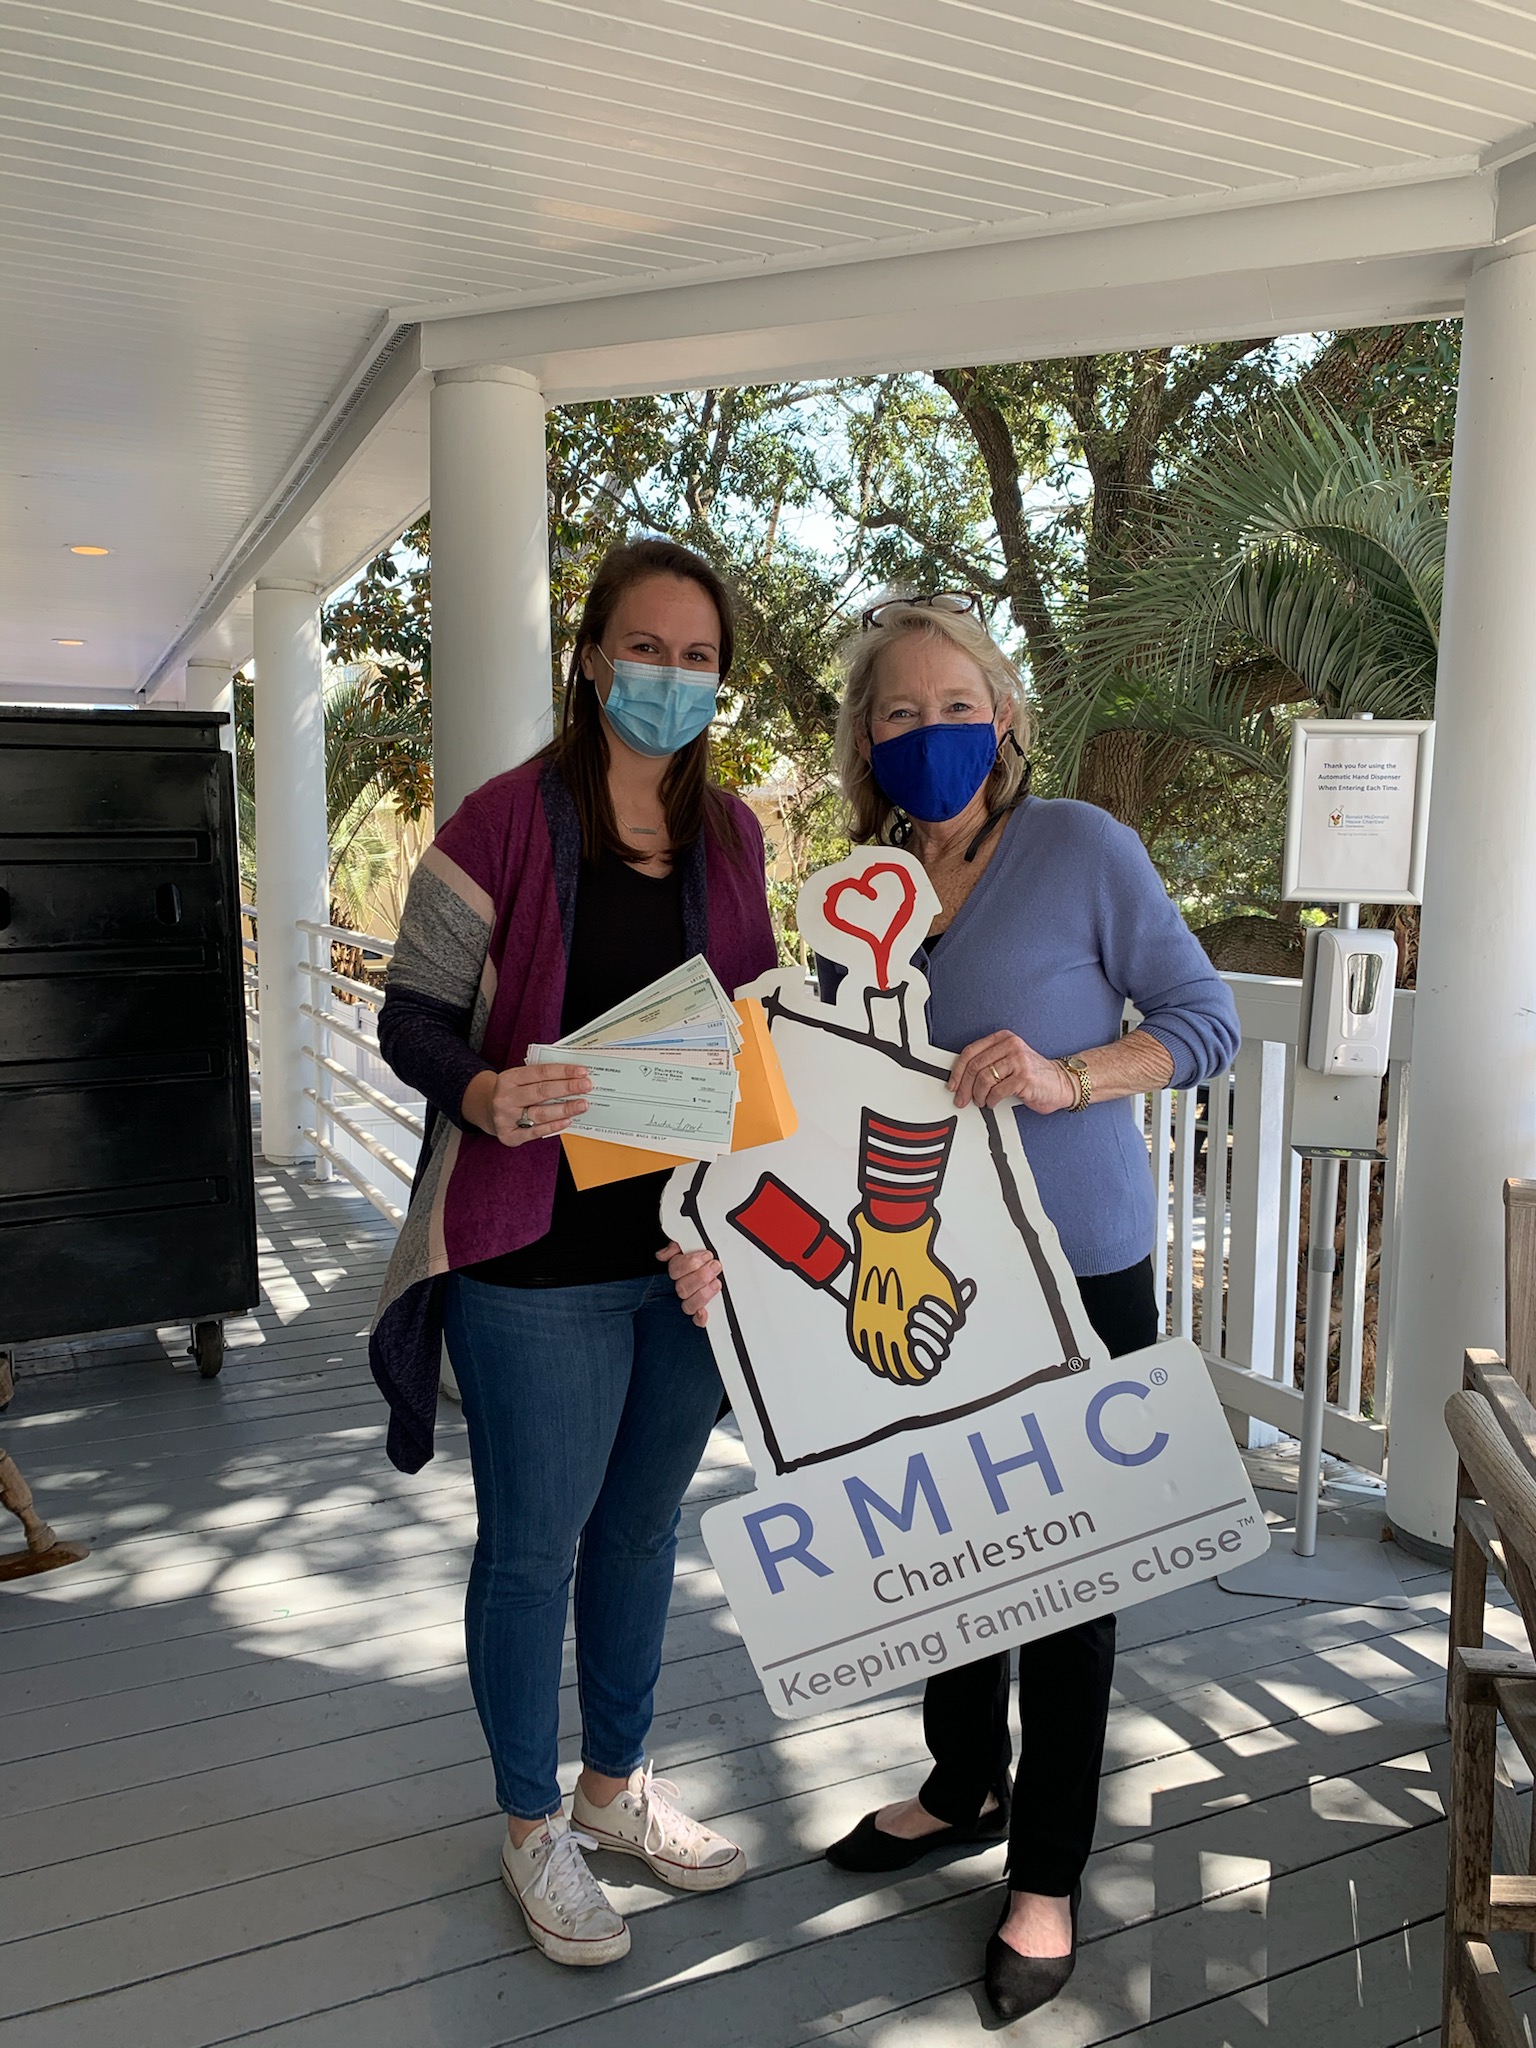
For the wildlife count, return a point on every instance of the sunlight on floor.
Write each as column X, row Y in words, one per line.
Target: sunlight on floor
column 246, row 1793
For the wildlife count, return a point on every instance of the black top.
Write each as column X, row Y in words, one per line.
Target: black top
column 628, row 931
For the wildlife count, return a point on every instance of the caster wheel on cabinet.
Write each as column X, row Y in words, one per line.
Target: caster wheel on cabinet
column 208, row 1348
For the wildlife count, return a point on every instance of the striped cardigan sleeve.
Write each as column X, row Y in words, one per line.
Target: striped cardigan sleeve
column 427, row 1045
column 437, row 992
column 439, row 996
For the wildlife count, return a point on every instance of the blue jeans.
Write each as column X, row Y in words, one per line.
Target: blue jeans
column 588, row 1410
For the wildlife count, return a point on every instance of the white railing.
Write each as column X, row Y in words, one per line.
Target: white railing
column 1231, row 1275
column 1230, row 1188
column 366, row 1126
column 364, row 1120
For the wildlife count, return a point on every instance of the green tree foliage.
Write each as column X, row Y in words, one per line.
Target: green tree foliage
column 1053, row 489
column 1295, row 561
column 1068, row 459
column 1296, row 568
column 382, row 627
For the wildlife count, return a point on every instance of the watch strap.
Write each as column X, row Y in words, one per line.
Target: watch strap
column 1075, row 1065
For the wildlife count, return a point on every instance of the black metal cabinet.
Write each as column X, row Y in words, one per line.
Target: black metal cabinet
column 126, row 1185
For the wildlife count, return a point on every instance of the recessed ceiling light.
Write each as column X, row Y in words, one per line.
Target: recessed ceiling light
column 86, row 548
column 69, row 643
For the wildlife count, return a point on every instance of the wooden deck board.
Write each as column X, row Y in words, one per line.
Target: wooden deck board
column 245, row 1795
column 795, row 1903
column 95, row 1753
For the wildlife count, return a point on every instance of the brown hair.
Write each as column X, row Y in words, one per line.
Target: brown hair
column 692, row 803
column 872, row 817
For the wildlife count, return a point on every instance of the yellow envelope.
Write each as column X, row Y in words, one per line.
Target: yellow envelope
column 764, row 1113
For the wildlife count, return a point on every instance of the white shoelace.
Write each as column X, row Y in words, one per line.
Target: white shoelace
column 564, row 1878
column 656, row 1797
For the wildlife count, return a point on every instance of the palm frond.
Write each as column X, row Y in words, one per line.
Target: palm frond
column 360, row 737
column 1294, row 543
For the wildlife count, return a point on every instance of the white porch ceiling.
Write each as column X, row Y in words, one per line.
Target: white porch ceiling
column 209, row 216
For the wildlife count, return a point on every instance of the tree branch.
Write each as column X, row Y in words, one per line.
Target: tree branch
column 962, row 565
column 1021, row 572
column 1198, row 375
column 1126, row 488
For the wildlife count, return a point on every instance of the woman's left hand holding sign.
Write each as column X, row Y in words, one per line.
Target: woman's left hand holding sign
column 1000, row 1065
column 526, row 1102
column 695, row 1275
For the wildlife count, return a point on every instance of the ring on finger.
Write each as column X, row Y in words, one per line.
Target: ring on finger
column 993, row 1071
column 525, row 1121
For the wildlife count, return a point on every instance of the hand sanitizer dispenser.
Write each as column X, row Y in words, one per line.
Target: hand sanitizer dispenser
column 1351, row 1022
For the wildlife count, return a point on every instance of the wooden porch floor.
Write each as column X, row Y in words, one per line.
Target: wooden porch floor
column 243, row 1794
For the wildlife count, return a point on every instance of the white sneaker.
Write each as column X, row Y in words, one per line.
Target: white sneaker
column 642, row 1821
column 567, row 1910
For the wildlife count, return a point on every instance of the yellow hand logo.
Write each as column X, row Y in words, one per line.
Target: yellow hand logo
column 904, row 1306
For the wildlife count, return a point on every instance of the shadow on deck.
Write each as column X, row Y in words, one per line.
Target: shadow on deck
column 243, row 1793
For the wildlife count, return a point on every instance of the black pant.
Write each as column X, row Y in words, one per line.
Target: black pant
column 1064, row 1682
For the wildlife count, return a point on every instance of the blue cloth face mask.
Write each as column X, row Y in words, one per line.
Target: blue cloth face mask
column 933, row 771
column 656, row 710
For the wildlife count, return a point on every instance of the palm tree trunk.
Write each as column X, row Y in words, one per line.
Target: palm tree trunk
column 1113, row 775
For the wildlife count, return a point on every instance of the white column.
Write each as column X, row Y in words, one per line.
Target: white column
column 210, row 686
column 1474, row 1038
column 491, row 688
column 292, row 847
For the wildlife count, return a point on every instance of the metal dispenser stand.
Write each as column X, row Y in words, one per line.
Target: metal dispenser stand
column 1345, row 1571
column 1334, row 1117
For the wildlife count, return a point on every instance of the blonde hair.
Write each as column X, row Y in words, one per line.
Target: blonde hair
column 871, row 814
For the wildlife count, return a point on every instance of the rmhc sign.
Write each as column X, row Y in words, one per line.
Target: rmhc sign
column 947, row 1463
column 1013, row 1523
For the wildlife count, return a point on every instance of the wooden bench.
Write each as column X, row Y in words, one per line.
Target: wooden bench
column 1497, row 1379
column 1505, row 1383
column 1487, row 1686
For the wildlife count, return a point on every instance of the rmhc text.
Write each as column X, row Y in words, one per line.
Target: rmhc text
column 785, row 1533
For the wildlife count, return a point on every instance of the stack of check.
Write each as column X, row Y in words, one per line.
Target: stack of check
column 663, row 1066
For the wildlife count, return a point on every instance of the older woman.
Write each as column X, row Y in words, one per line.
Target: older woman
column 554, row 893
column 1051, row 917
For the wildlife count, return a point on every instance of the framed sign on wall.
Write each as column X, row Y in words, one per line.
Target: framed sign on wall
column 1358, row 810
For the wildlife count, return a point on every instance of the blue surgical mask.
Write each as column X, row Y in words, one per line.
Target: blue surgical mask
column 933, row 771
column 656, row 710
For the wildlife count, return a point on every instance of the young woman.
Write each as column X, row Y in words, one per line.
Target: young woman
column 553, row 893
column 1051, row 915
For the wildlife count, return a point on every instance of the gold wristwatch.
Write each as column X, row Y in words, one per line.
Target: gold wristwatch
column 1075, row 1065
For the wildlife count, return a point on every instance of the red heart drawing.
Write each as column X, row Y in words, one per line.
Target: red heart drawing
column 879, row 942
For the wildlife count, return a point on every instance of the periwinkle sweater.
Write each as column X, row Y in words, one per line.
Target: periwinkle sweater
column 1068, row 920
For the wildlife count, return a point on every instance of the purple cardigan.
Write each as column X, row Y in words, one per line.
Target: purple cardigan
column 477, row 977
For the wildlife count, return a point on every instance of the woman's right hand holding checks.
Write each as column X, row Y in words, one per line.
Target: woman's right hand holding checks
column 526, row 1102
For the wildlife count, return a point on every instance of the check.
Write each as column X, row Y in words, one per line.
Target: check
column 662, row 1065
column 647, row 1077
column 687, row 1001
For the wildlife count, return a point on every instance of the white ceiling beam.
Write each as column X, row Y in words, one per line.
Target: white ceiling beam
column 1517, row 199
column 1166, row 280
column 932, row 335
column 1361, row 258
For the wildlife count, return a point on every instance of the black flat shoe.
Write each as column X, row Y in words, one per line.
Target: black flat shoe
column 869, row 1848
column 1017, row 1984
